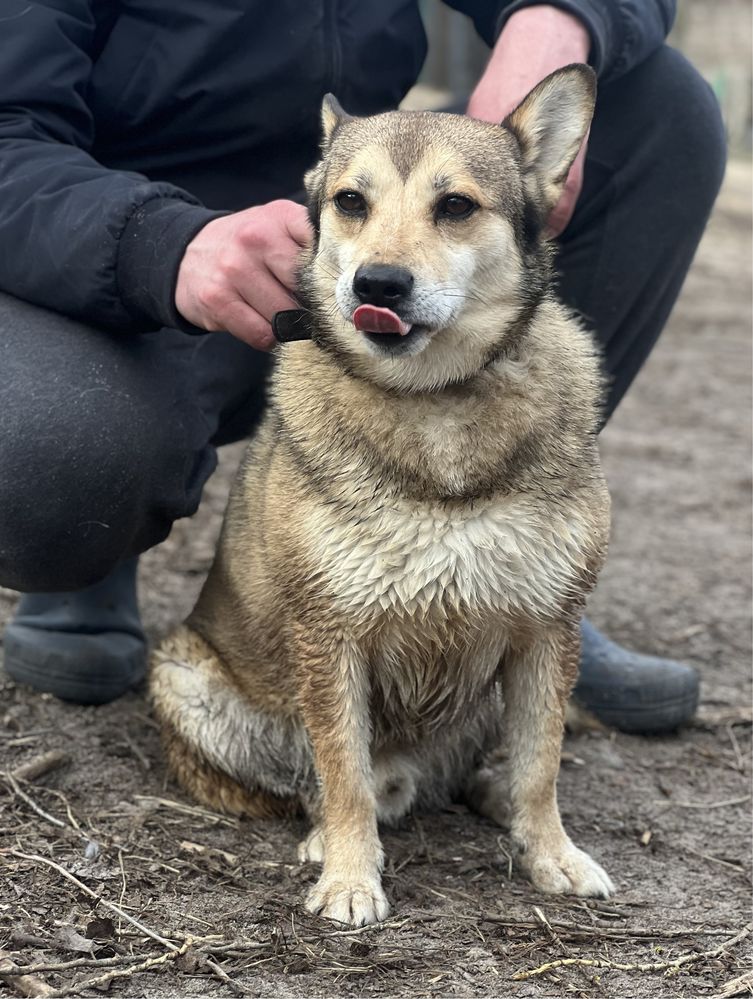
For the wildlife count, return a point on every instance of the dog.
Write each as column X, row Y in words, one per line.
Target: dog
column 419, row 518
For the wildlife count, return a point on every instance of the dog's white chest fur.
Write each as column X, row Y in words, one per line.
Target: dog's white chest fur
column 505, row 555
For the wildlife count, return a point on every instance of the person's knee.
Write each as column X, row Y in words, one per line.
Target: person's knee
column 687, row 131
column 102, row 446
column 64, row 524
column 79, row 493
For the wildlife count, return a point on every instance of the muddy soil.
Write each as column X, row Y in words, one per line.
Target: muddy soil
column 668, row 817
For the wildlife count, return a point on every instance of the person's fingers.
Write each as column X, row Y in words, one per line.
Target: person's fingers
column 298, row 225
column 283, row 266
column 264, row 293
column 240, row 270
column 245, row 323
column 560, row 215
column 562, row 212
column 273, row 236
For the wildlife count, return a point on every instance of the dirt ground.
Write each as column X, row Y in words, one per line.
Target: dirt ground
column 668, row 817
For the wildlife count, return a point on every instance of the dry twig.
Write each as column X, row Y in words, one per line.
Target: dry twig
column 223, row 976
column 40, row 765
column 31, row 803
column 79, row 962
column 597, row 962
column 179, row 806
column 593, row 929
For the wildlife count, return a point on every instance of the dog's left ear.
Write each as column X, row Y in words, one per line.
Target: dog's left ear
column 332, row 117
column 550, row 125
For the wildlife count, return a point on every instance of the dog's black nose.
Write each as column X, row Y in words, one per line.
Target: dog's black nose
column 382, row 284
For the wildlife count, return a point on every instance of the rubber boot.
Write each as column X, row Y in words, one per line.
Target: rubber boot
column 87, row 647
column 633, row 692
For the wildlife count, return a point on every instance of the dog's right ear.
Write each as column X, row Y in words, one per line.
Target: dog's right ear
column 332, row 117
column 550, row 124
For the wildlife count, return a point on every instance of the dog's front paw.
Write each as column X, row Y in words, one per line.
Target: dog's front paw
column 567, row 870
column 311, row 849
column 356, row 904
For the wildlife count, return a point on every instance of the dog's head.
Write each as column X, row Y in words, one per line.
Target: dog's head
column 430, row 252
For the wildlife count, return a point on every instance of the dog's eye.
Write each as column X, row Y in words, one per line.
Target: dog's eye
column 351, row 202
column 455, row 206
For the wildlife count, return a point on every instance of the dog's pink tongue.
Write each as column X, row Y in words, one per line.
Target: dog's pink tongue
column 375, row 319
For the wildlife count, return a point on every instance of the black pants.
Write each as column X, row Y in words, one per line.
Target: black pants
column 106, row 439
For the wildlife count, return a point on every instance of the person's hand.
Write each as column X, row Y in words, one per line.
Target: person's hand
column 240, row 269
column 534, row 42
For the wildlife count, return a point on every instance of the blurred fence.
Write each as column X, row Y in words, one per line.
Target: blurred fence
column 714, row 34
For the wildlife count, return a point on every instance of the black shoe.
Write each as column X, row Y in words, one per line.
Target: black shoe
column 633, row 692
column 88, row 646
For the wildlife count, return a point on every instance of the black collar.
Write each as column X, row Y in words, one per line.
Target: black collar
column 292, row 324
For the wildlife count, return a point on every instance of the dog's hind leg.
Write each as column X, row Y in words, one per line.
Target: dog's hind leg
column 488, row 792
column 226, row 754
column 396, row 779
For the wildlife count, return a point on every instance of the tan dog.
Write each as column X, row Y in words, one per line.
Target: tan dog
column 420, row 516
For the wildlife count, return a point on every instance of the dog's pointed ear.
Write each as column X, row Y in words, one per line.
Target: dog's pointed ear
column 550, row 124
column 332, row 117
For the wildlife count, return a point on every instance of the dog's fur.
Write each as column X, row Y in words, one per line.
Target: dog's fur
column 411, row 538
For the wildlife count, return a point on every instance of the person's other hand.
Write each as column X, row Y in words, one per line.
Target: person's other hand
column 534, row 42
column 239, row 270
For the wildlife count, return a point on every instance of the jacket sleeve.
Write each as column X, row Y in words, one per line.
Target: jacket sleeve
column 623, row 32
column 99, row 245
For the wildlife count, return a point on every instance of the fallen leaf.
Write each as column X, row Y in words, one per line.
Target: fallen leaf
column 208, row 851
column 69, row 939
column 100, row 929
column 190, row 962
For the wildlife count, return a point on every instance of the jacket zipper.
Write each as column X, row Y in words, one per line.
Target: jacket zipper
column 333, row 48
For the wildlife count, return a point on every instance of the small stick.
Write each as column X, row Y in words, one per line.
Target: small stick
column 137, row 752
column 717, row 860
column 736, row 748
column 69, row 813
column 220, row 973
column 203, row 813
column 25, row 985
column 123, row 876
column 595, row 929
column 41, row 765
column 92, row 894
column 549, row 928
column 79, row 962
column 703, row 804
column 597, row 962
column 32, row 804
column 74, row 826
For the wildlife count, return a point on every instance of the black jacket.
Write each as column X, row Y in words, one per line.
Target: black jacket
column 126, row 124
